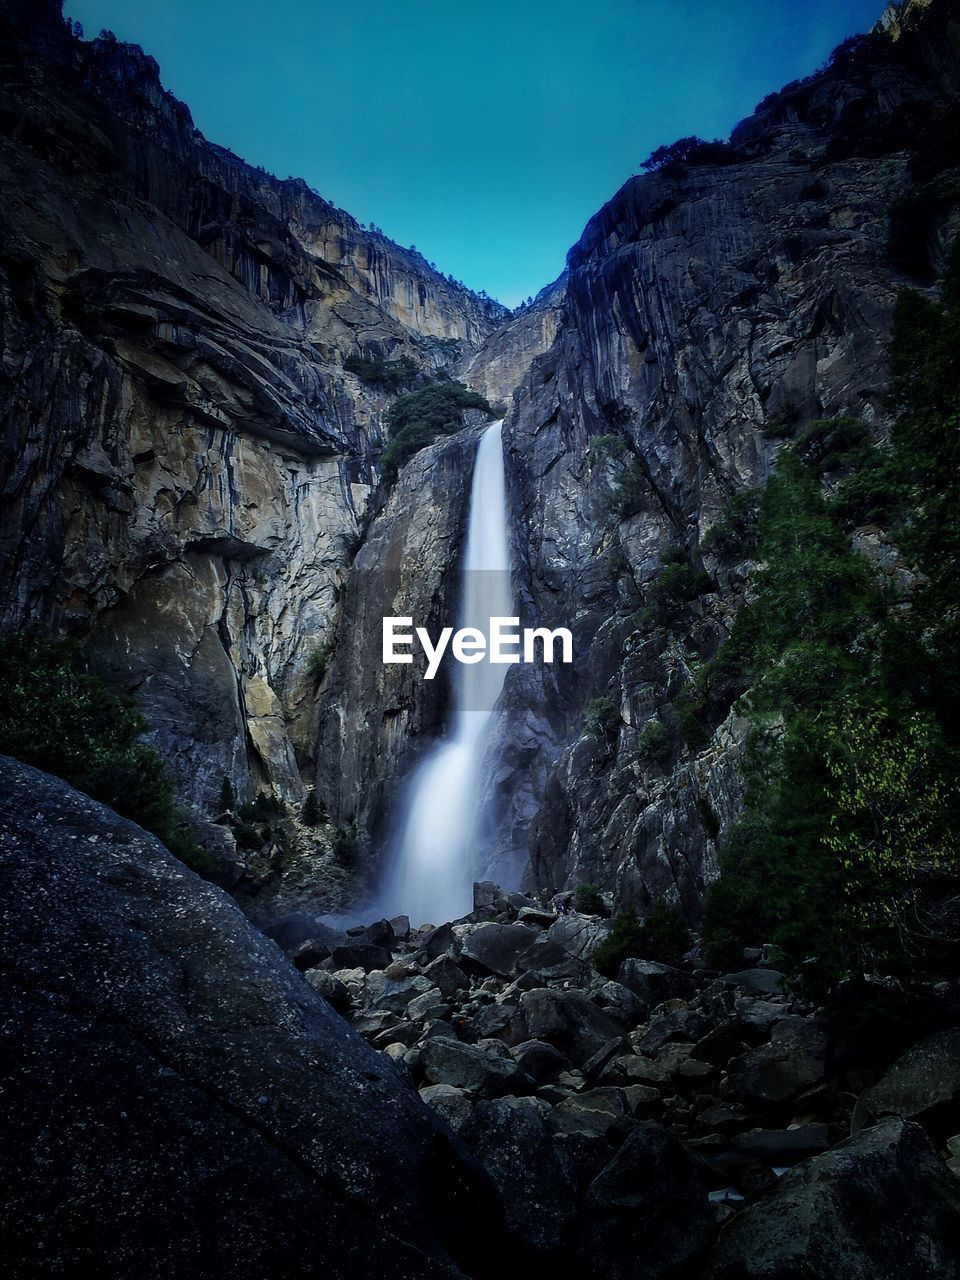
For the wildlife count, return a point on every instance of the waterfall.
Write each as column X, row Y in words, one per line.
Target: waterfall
column 431, row 869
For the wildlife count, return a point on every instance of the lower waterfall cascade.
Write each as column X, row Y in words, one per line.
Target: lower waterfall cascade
column 431, row 867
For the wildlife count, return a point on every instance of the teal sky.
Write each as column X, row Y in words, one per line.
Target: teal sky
column 486, row 134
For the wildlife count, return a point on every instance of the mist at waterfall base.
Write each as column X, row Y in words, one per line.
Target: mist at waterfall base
column 433, row 858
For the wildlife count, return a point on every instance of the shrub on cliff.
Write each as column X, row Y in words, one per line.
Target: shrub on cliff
column 662, row 936
column 57, row 714
column 417, row 419
column 675, row 156
column 589, row 900
column 390, row 375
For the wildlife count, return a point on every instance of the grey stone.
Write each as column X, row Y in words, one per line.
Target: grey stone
column 446, row 1061
column 653, row 983
column 880, row 1206
column 646, row 1213
column 174, row 1062
column 794, row 1059
column 542, row 1062
column 926, row 1077
column 568, row 1020
column 331, row 988
column 496, row 948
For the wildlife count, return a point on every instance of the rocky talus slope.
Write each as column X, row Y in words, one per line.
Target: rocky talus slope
column 181, row 1099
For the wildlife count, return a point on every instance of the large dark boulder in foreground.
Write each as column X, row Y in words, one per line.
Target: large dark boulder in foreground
column 881, row 1206
column 646, row 1214
column 177, row 1101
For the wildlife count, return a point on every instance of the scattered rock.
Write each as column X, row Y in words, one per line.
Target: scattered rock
column 925, row 1079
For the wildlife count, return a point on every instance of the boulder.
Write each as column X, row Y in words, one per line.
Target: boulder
column 176, row 1099
column 784, row 1146
column 331, row 988
column 881, row 1206
column 446, row 974
column 766, row 982
column 541, row 1062
column 794, row 1059
column 496, row 948
column 592, row 1111
column 380, row 934
column 578, row 936
column 383, row 992
column 453, row 1104
column 568, row 1020
column 646, row 1213
column 925, row 1079
column 360, row 955
column 653, row 983
column 537, row 916
column 447, row 1061
column 318, row 947
column 439, row 941
column 538, row 1192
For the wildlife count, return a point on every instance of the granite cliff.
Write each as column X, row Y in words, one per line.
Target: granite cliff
column 191, row 480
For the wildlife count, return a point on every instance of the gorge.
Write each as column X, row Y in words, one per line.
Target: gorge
column 287, row 991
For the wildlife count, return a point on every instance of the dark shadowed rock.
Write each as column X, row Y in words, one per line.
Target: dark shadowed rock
column 447, row 1061
column 652, row 983
column 496, row 948
column 542, row 1062
column 925, row 1081
column 568, row 1020
column 318, row 947
column 646, row 1213
column 360, row 955
column 515, row 1147
column 881, row 1206
column 445, row 973
column 794, row 1059
column 176, row 1100
column 331, row 988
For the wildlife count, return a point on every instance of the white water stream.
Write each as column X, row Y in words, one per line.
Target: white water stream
column 432, row 867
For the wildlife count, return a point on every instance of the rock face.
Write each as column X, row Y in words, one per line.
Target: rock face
column 190, row 467
column 187, row 462
column 177, row 1099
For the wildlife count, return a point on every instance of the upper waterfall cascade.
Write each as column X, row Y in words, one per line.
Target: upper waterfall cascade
column 432, row 867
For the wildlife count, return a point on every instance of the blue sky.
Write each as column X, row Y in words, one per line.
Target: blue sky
column 486, row 134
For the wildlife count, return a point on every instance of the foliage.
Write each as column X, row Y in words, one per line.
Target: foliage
column 654, row 743
column 418, row 418
column 391, row 375
column 831, row 443
column 673, row 157
column 228, row 796
column 630, row 493
column 589, row 900
column 57, row 714
column 311, row 815
column 663, row 936
column 675, row 587
column 782, row 422
column 847, row 857
column 343, row 845
column 601, row 717
column 319, row 657
column 733, row 537
column 263, row 808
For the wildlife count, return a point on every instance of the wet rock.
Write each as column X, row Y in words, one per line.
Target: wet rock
column 646, row 1213
column 880, row 1206
column 922, row 1084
